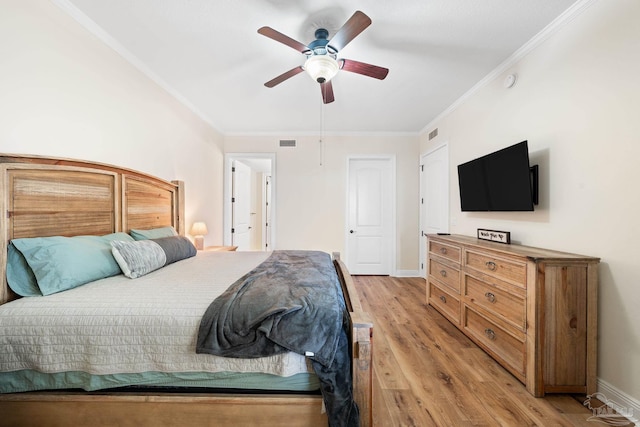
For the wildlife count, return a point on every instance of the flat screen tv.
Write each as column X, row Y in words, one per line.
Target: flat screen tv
column 500, row 181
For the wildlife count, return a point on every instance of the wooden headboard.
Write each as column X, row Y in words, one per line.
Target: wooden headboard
column 43, row 196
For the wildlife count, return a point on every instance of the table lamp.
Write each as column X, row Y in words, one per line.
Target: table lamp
column 198, row 231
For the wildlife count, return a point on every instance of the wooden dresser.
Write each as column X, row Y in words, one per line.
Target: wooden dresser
column 533, row 310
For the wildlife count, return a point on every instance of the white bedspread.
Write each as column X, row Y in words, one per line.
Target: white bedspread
column 120, row 325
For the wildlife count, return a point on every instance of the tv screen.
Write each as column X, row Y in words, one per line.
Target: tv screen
column 500, row 181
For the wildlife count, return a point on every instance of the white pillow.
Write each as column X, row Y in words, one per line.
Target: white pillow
column 138, row 258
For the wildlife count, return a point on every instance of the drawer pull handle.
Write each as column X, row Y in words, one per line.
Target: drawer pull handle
column 443, row 273
column 443, row 251
column 490, row 334
column 491, row 297
column 491, row 265
column 443, row 299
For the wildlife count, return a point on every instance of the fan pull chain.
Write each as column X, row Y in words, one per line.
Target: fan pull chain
column 320, row 142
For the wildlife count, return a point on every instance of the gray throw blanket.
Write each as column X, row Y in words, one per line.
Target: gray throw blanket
column 291, row 302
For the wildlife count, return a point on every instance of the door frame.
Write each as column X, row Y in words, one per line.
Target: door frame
column 229, row 158
column 266, row 212
column 242, row 196
column 423, row 246
column 392, row 197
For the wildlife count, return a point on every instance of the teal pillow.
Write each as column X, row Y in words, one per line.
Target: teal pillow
column 154, row 233
column 20, row 277
column 59, row 263
column 123, row 237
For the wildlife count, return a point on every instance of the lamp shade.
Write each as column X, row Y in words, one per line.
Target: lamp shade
column 321, row 68
column 199, row 229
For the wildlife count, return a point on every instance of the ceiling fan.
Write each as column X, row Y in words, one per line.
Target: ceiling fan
column 322, row 62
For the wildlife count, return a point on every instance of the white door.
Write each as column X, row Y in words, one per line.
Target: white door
column 434, row 207
column 370, row 216
column 241, row 206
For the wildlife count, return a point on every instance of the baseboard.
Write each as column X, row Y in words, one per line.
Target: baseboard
column 406, row 273
column 629, row 405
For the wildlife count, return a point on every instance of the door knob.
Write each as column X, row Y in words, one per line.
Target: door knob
column 351, row 231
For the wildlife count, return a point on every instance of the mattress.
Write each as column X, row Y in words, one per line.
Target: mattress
column 119, row 326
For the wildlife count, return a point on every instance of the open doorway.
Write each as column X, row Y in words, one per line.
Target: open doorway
column 249, row 201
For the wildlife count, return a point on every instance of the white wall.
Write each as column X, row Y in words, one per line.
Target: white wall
column 311, row 198
column 63, row 93
column 577, row 102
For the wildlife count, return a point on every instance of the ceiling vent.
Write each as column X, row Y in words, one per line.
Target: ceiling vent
column 433, row 134
column 287, row 143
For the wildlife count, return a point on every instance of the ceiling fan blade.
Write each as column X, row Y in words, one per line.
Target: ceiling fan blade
column 364, row 69
column 354, row 26
column 327, row 92
column 284, row 76
column 279, row 37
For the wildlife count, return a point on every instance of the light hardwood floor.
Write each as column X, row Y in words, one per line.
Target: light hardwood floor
column 427, row 373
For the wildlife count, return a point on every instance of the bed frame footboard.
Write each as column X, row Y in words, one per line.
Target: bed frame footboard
column 362, row 345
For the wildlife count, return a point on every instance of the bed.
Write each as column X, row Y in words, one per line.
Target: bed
column 43, row 197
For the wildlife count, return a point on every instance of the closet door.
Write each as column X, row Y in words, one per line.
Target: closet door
column 370, row 216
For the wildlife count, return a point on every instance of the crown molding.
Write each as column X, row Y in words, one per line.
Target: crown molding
column 567, row 16
column 560, row 22
column 103, row 36
column 318, row 134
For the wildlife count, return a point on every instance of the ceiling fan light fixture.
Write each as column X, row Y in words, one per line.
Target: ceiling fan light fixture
column 321, row 68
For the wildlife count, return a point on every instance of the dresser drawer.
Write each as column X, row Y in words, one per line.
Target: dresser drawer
column 445, row 302
column 496, row 341
column 501, row 268
column 445, row 274
column 446, row 251
column 509, row 306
